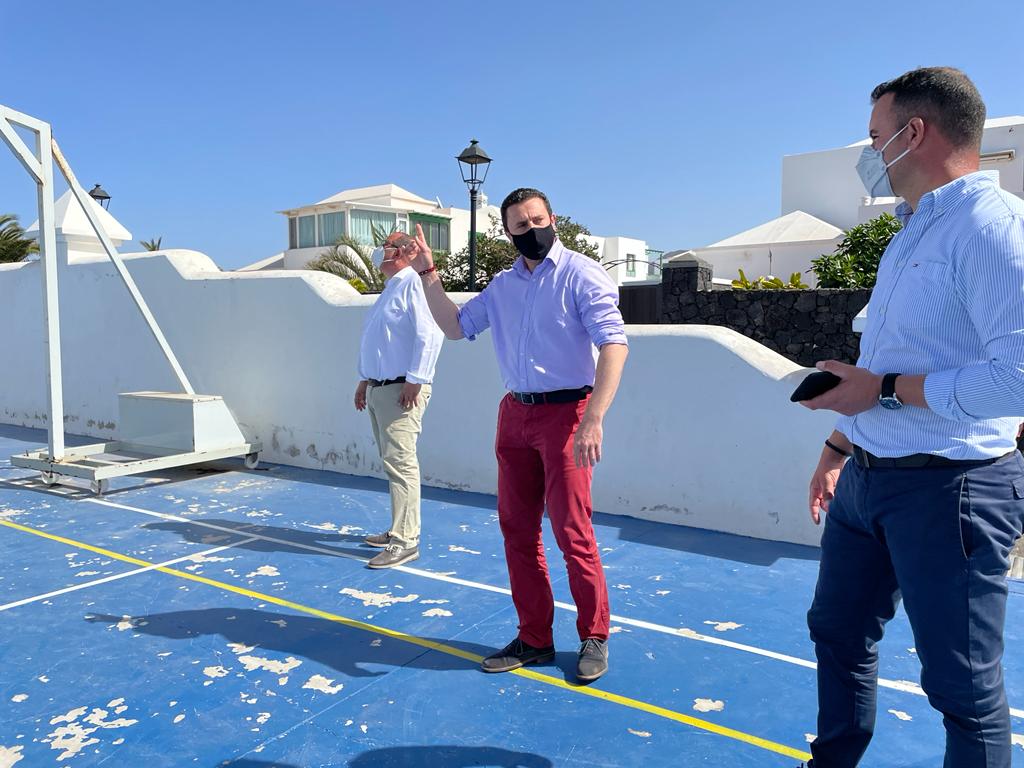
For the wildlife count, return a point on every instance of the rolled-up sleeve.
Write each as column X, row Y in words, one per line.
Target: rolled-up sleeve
column 474, row 318
column 597, row 301
column 990, row 281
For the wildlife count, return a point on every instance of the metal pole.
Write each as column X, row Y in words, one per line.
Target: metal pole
column 472, row 238
column 51, row 306
column 86, row 202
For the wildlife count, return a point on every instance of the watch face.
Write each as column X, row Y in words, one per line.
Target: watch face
column 892, row 403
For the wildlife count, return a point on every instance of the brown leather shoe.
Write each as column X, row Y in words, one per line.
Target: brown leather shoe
column 394, row 555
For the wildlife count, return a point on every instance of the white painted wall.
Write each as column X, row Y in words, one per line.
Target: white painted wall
column 702, row 432
column 754, row 261
column 825, row 184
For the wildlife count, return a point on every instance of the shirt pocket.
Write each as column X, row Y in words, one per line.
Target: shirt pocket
column 924, row 294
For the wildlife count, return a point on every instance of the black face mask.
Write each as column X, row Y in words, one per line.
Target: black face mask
column 535, row 243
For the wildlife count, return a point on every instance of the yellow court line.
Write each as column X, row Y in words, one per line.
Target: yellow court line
column 642, row 706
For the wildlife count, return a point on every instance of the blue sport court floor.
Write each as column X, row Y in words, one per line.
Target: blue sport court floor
column 225, row 617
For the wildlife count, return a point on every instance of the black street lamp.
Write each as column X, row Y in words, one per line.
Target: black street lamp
column 471, row 158
column 100, row 196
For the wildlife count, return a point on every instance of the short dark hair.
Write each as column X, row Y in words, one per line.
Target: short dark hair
column 521, row 195
column 944, row 96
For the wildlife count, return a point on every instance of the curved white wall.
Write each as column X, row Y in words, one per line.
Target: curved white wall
column 701, row 433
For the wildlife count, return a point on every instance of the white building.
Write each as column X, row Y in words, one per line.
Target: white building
column 822, row 193
column 314, row 227
column 355, row 212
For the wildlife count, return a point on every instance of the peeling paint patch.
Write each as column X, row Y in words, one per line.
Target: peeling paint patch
column 263, row 717
column 617, row 630
column 322, row 684
column 434, row 602
column 178, row 719
column 642, row 734
column 623, row 586
column 264, row 570
column 708, row 705
column 900, row 714
column 1016, row 740
column 19, row 697
column 454, row 548
column 239, row 648
column 280, row 622
column 377, row 599
column 252, row 663
column 73, row 737
column 10, row 755
column 437, row 612
column 215, row 672
column 723, row 626
column 809, row 737
column 375, row 643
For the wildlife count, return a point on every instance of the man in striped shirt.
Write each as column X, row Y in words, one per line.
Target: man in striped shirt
column 929, row 503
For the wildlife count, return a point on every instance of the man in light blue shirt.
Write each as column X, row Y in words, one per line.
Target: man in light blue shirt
column 929, row 503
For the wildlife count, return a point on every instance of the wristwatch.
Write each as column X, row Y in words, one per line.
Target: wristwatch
column 887, row 397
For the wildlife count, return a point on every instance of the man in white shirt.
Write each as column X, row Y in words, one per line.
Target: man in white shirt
column 397, row 356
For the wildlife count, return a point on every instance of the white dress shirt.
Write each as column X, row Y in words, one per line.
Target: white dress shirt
column 400, row 337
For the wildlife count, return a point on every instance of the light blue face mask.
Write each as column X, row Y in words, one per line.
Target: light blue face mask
column 874, row 171
column 377, row 257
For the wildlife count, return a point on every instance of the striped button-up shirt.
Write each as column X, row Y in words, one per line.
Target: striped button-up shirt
column 547, row 323
column 949, row 303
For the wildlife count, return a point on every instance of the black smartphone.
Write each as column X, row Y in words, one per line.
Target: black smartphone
column 814, row 384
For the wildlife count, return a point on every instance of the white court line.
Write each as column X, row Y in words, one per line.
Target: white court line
column 117, row 576
column 905, row 686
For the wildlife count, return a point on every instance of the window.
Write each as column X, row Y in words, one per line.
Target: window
column 293, row 233
column 436, row 230
column 331, row 226
column 630, row 265
column 364, row 222
column 654, row 262
column 307, row 231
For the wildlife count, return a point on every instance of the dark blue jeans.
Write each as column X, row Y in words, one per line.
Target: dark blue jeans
column 940, row 537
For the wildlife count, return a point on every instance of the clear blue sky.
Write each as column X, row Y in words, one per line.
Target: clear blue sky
column 665, row 121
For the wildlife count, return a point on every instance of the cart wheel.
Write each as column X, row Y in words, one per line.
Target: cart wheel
column 99, row 487
column 48, row 478
column 252, row 460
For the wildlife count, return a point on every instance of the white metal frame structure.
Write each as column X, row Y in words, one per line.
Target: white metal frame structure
column 85, row 461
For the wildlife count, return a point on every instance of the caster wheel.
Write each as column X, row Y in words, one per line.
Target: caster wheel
column 48, row 478
column 99, row 487
column 252, row 460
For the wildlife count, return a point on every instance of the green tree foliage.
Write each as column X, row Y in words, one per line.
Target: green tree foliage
column 152, row 245
column 495, row 253
column 14, row 246
column 854, row 263
column 350, row 259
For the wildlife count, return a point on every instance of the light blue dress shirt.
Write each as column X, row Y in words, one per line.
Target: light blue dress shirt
column 949, row 303
column 547, row 323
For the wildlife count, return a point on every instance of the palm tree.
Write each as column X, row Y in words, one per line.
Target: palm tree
column 14, row 246
column 350, row 259
column 151, row 245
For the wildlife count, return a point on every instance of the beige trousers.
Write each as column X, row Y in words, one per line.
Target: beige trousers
column 396, row 431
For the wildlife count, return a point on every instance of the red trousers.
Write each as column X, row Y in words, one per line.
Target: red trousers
column 535, row 465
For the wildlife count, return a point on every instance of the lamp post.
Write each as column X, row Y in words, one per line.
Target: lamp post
column 98, row 194
column 471, row 158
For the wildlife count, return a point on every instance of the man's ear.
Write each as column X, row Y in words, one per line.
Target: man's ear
column 554, row 222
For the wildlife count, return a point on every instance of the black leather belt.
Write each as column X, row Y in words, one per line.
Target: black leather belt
column 914, row 461
column 385, row 382
column 557, row 396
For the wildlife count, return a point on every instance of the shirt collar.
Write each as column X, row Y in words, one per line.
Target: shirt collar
column 400, row 276
column 943, row 198
column 554, row 256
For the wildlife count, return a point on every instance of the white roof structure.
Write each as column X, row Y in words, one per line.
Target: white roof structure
column 795, row 227
column 387, row 195
column 995, row 122
column 272, row 262
column 70, row 221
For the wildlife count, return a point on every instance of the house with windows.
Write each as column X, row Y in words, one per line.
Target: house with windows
column 822, row 196
column 316, row 226
column 356, row 212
